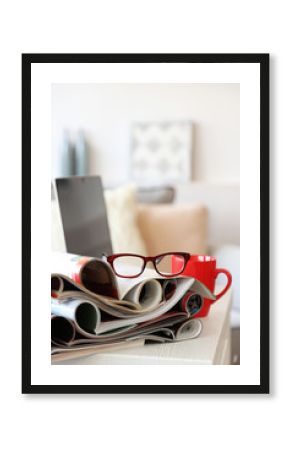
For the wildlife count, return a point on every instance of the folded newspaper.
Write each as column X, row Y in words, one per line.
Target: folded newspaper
column 94, row 310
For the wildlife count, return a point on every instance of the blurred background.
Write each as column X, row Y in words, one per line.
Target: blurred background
column 103, row 115
column 169, row 159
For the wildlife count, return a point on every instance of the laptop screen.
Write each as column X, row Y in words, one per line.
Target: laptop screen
column 84, row 217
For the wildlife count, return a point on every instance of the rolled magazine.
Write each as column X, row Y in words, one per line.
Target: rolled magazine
column 91, row 307
column 63, row 330
column 191, row 303
column 84, row 314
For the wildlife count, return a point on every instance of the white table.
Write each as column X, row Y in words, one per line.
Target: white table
column 213, row 346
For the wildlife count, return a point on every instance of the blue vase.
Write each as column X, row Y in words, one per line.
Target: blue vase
column 67, row 156
column 81, row 155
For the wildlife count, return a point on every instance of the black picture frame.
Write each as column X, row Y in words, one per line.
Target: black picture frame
column 263, row 61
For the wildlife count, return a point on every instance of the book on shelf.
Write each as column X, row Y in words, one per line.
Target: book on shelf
column 94, row 310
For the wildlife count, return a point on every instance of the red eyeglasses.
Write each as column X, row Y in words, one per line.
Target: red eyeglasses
column 130, row 265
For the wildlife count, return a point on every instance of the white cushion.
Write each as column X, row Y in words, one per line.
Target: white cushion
column 57, row 236
column 122, row 211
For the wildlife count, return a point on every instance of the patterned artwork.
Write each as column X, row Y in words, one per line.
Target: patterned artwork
column 161, row 152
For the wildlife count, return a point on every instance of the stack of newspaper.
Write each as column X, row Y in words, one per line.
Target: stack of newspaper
column 93, row 310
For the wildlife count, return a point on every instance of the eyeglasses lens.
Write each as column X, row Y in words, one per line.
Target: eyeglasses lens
column 128, row 266
column 164, row 265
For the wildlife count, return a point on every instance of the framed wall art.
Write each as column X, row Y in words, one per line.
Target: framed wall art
column 111, row 325
column 162, row 152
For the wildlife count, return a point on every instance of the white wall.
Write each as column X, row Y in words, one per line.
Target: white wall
column 105, row 111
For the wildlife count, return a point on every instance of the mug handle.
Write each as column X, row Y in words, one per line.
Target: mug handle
column 229, row 282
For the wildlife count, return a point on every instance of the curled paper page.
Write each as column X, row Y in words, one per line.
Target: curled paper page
column 168, row 287
column 57, row 284
column 147, row 294
column 191, row 303
column 67, row 289
column 85, row 315
column 189, row 329
column 62, row 330
column 94, row 274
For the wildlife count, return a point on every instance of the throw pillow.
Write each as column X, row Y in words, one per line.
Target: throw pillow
column 167, row 228
column 122, row 218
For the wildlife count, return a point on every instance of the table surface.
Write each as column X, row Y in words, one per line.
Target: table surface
column 206, row 349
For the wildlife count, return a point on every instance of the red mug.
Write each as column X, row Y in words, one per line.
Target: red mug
column 203, row 268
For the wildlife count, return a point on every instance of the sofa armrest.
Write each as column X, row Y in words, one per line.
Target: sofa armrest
column 173, row 228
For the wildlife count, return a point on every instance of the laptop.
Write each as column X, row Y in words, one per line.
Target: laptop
column 84, row 216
